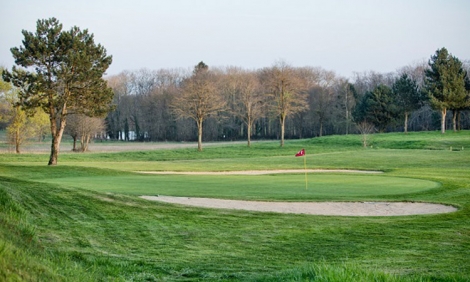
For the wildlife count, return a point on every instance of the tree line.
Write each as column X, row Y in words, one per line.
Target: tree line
column 58, row 87
column 282, row 101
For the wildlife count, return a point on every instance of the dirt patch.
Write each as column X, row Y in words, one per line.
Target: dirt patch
column 313, row 208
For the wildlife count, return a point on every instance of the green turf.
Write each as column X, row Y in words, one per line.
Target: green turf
column 52, row 231
column 259, row 187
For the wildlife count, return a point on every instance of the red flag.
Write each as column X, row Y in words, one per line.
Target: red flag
column 300, row 153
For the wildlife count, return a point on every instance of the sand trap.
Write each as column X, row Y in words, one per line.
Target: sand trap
column 314, row 208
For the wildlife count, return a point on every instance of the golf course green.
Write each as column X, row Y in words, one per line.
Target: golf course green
column 83, row 220
column 332, row 186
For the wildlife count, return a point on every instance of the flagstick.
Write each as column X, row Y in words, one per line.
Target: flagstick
column 305, row 167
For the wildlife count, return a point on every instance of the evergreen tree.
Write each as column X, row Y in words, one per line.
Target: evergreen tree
column 445, row 84
column 407, row 96
column 68, row 77
column 377, row 107
column 462, row 105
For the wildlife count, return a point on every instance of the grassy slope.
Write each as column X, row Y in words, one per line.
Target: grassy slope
column 85, row 235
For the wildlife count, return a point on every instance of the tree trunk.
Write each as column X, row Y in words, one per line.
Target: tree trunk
column 84, row 141
column 56, row 138
column 283, row 121
column 454, row 120
column 248, row 131
column 74, row 143
column 54, row 150
column 364, row 140
column 265, row 127
column 88, row 138
column 347, row 114
column 443, row 120
column 321, row 128
column 199, row 135
column 406, row 123
column 17, row 141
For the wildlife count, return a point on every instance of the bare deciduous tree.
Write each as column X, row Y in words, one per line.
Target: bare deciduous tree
column 251, row 102
column 345, row 102
column 323, row 95
column 199, row 99
column 284, row 84
column 84, row 128
column 245, row 97
column 157, row 118
column 365, row 128
column 116, row 119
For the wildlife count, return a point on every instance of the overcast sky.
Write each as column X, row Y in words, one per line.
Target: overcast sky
column 342, row 36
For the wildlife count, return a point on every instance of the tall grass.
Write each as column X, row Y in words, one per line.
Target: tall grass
column 22, row 255
column 345, row 272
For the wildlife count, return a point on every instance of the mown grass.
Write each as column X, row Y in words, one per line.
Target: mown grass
column 280, row 187
column 55, row 230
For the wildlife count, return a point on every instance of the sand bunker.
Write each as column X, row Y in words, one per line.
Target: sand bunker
column 314, row 208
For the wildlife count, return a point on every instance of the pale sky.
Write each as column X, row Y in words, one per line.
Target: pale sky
column 338, row 35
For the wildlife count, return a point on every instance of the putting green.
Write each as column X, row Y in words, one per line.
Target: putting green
column 259, row 187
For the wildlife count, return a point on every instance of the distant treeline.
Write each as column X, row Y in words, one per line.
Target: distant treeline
column 322, row 102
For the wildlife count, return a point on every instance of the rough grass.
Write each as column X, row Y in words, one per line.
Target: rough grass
column 52, row 232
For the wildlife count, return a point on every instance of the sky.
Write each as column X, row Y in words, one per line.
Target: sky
column 337, row 35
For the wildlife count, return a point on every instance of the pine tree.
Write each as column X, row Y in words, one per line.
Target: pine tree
column 408, row 97
column 445, row 84
column 68, row 76
column 377, row 107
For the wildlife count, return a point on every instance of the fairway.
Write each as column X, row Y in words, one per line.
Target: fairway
column 333, row 186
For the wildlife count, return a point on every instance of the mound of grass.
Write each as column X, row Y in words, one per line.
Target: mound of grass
column 22, row 256
column 423, row 140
